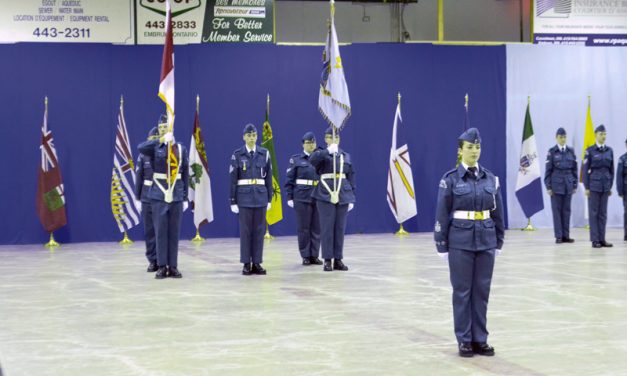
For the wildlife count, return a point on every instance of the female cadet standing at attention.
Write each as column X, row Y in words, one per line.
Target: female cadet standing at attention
column 469, row 230
column 333, row 203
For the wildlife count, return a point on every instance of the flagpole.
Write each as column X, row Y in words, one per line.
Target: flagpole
column 52, row 243
column 197, row 238
column 335, row 191
column 126, row 240
column 529, row 226
column 401, row 231
column 267, row 234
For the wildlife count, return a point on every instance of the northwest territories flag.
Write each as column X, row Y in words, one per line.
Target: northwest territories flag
column 333, row 100
column 528, row 183
column 401, row 193
column 123, row 178
column 50, row 193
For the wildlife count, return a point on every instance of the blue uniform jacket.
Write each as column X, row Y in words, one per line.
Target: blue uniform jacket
column 561, row 171
column 459, row 191
column 300, row 168
column 322, row 161
column 143, row 173
column 158, row 153
column 621, row 175
column 598, row 169
column 259, row 168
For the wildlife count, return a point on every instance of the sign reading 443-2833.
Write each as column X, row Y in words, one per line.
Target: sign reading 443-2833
column 99, row 21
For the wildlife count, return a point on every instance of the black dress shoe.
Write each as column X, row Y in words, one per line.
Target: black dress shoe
column 465, row 350
column 315, row 261
column 596, row 245
column 257, row 269
column 174, row 273
column 568, row 240
column 162, row 272
column 339, row 265
column 606, row 244
column 327, row 266
column 246, row 269
column 306, row 261
column 152, row 267
column 482, row 349
column 558, row 241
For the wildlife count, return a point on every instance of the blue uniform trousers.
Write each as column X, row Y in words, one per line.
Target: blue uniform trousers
column 332, row 227
column 149, row 232
column 560, row 205
column 625, row 215
column 471, row 276
column 308, row 226
column 252, row 227
column 597, row 215
column 167, row 220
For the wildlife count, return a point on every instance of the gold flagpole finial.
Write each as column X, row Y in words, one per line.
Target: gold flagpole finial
column 466, row 100
column 46, row 101
column 399, row 97
column 197, row 103
column 121, row 99
column 528, row 100
column 589, row 100
column 268, row 104
column 332, row 3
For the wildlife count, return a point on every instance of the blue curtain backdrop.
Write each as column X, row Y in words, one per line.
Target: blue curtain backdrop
column 84, row 84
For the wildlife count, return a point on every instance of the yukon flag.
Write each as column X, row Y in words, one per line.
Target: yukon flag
column 333, row 101
column 50, row 194
column 529, row 183
column 401, row 194
column 275, row 214
column 199, row 179
column 123, row 179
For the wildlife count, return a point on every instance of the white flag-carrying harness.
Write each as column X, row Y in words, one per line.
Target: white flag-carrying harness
column 400, row 193
column 200, row 181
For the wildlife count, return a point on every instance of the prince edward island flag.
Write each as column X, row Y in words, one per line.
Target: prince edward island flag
column 528, row 183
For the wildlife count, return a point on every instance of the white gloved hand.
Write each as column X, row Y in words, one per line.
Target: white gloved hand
column 443, row 255
column 333, row 148
column 269, row 206
column 290, row 203
column 235, row 209
column 138, row 205
column 168, row 137
column 350, row 207
column 185, row 205
column 498, row 252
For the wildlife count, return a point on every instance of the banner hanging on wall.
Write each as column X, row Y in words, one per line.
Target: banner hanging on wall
column 207, row 21
column 67, row 21
column 580, row 22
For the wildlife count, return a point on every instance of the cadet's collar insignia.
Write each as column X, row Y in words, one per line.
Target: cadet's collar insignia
column 438, row 228
column 443, row 184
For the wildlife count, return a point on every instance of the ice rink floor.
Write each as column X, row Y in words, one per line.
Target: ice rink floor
column 92, row 309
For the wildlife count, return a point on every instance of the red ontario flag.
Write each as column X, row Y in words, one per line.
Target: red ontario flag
column 50, row 195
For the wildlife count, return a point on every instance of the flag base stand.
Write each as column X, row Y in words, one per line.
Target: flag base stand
column 126, row 240
column 529, row 226
column 267, row 235
column 401, row 231
column 587, row 227
column 198, row 238
column 52, row 243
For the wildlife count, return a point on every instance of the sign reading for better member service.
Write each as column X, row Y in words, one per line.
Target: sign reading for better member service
column 207, row 21
column 580, row 22
column 109, row 21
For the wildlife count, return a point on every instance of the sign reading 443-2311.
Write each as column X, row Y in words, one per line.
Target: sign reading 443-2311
column 207, row 21
column 109, row 21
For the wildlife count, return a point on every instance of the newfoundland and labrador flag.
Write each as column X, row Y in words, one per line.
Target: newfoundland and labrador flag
column 529, row 183
column 50, row 194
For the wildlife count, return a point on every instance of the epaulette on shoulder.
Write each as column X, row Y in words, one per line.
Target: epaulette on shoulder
column 448, row 173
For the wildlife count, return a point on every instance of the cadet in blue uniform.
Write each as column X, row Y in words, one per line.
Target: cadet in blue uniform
column 621, row 186
column 469, row 230
column 143, row 172
column 251, row 195
column 598, row 177
column 560, row 180
column 301, row 180
column 166, row 214
column 333, row 206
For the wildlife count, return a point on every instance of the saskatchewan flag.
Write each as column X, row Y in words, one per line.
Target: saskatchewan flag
column 275, row 213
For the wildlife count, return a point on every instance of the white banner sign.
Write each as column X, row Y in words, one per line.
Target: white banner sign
column 95, row 21
column 188, row 17
column 580, row 22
